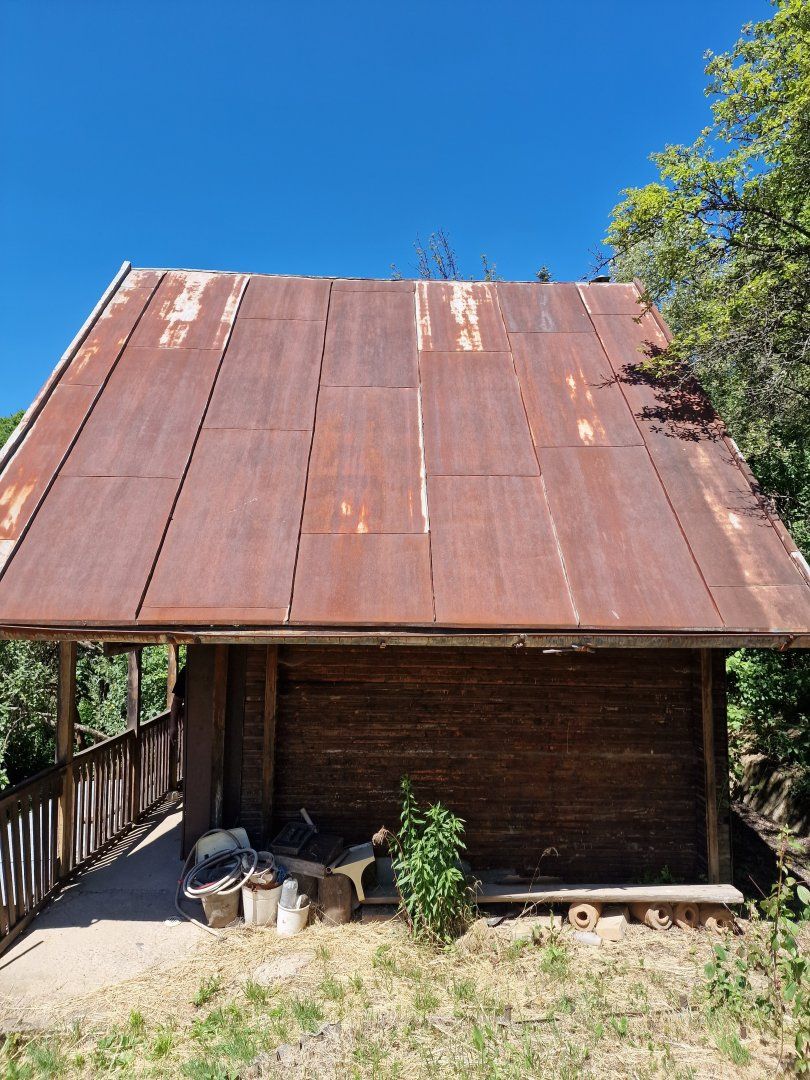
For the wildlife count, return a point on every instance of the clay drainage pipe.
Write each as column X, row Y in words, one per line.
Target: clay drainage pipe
column 584, row 916
column 656, row 916
column 686, row 915
column 716, row 919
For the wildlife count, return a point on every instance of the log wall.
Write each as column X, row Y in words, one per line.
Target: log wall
column 587, row 767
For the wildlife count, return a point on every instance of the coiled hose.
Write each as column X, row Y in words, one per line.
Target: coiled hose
column 231, row 870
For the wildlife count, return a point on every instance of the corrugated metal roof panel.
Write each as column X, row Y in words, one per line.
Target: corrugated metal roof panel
column 475, row 422
column 365, row 471
column 496, row 561
column 571, row 395
column 371, row 340
column 233, row 535
column 269, row 376
column 628, row 562
column 411, row 495
column 148, row 415
column 529, row 309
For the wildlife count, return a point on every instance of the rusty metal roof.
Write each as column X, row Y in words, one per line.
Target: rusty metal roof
column 226, row 450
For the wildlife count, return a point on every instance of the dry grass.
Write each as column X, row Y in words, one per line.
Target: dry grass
column 373, row 1003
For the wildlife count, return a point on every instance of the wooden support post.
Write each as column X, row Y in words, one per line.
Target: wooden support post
column 712, row 837
column 269, row 749
column 218, row 734
column 65, row 720
column 171, row 674
column 134, row 725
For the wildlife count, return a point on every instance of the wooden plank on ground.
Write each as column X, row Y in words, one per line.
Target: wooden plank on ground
column 610, row 894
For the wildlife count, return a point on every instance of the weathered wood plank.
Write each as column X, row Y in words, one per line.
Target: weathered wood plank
column 218, row 700
column 134, row 725
column 611, row 894
column 65, row 719
column 712, row 842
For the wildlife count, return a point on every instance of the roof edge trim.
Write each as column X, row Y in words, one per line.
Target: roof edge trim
column 584, row 641
column 15, row 440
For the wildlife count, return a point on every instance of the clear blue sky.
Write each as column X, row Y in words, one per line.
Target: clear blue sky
column 319, row 138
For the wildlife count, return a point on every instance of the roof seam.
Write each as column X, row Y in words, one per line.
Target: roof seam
column 560, row 553
column 309, row 457
column 184, row 474
column 655, row 468
column 423, row 469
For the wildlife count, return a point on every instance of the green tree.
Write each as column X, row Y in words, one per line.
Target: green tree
column 721, row 242
column 7, row 425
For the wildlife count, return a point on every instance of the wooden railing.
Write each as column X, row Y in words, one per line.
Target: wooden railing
column 111, row 785
column 103, row 786
column 29, row 862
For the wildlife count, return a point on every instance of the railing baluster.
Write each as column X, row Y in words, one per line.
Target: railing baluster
column 102, row 778
column 5, row 864
column 36, row 832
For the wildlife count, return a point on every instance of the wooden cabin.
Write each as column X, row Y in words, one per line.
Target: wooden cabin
column 450, row 529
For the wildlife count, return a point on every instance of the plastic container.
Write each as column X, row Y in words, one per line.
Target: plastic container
column 289, row 893
column 260, row 904
column 221, row 909
column 291, row 921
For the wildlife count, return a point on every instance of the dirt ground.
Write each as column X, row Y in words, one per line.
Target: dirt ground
column 367, row 1001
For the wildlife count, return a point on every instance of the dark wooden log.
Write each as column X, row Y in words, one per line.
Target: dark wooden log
column 218, row 701
column 335, row 898
column 269, row 745
column 709, row 763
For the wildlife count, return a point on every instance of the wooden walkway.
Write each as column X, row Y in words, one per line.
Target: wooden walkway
column 115, row 920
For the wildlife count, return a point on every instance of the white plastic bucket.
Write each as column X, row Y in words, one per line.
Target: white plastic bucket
column 260, row 905
column 291, row 921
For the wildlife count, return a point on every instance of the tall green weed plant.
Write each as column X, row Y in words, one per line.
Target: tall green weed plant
column 426, row 859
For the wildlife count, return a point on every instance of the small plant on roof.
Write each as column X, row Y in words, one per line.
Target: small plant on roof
column 425, row 856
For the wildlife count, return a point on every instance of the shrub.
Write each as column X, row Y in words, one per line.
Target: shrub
column 767, row 975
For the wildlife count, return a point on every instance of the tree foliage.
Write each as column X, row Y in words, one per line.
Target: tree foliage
column 436, row 260
column 721, row 242
column 8, row 424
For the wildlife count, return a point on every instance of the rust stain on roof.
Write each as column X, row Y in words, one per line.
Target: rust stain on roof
column 225, row 450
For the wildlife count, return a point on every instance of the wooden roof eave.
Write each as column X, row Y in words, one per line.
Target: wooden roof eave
column 382, row 637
